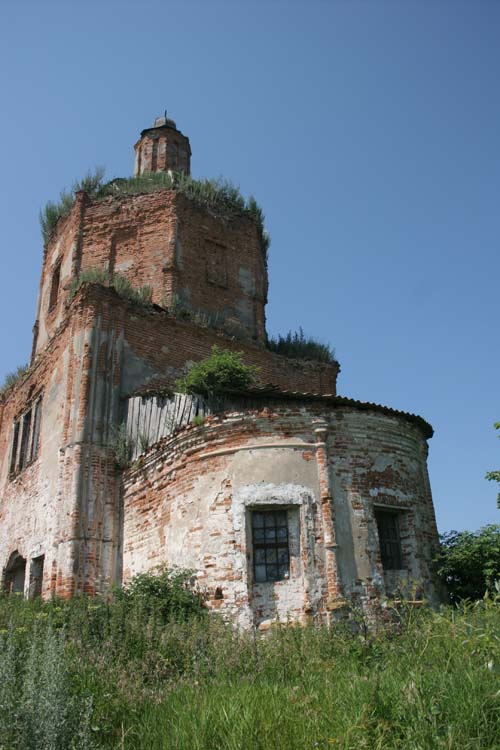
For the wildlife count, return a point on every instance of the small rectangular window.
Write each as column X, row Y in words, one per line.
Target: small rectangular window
column 15, row 443
column 36, row 577
column 154, row 155
column 54, row 286
column 35, row 439
column 25, row 437
column 389, row 539
column 271, row 557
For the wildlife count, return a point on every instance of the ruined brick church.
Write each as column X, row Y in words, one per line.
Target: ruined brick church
column 286, row 500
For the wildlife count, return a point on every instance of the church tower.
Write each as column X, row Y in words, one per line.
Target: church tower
column 285, row 498
column 162, row 148
column 193, row 258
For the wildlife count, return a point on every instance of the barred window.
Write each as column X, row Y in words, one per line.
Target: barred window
column 389, row 539
column 271, row 557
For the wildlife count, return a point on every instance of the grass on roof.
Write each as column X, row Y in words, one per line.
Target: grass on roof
column 219, row 196
column 299, row 346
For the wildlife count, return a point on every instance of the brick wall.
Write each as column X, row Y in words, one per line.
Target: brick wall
column 186, row 254
column 62, row 504
column 188, row 505
column 155, row 347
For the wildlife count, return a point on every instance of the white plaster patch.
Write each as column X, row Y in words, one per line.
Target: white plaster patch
column 382, row 462
column 266, row 494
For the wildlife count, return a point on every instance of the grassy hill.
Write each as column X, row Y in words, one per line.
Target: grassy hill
column 152, row 671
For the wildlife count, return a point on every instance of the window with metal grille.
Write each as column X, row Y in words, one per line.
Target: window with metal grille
column 271, row 557
column 389, row 540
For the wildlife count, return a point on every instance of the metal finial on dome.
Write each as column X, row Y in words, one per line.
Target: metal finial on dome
column 161, row 122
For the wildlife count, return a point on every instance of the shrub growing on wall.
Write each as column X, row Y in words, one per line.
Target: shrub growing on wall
column 300, row 346
column 223, row 370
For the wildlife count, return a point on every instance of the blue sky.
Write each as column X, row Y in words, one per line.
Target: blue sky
column 369, row 133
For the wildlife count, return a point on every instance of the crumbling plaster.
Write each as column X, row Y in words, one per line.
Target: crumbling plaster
column 188, row 505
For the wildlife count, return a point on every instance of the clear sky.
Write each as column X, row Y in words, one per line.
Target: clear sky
column 368, row 131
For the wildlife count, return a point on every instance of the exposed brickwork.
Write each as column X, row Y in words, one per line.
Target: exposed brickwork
column 187, row 256
column 76, row 522
column 162, row 148
column 183, row 505
column 160, row 346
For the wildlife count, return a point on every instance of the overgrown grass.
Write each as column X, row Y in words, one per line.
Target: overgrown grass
column 123, row 287
column 219, row 196
column 92, row 184
column 140, row 679
column 12, row 378
column 300, row 346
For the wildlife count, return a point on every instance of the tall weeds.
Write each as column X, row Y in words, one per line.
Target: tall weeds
column 135, row 676
column 122, row 286
column 12, row 378
column 300, row 346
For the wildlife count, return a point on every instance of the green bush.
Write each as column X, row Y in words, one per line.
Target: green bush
column 300, row 346
column 469, row 562
column 223, row 370
column 170, row 594
column 38, row 705
column 494, row 476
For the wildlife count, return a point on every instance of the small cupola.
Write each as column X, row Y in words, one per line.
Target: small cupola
column 162, row 148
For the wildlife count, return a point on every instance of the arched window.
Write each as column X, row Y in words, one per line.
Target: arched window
column 14, row 574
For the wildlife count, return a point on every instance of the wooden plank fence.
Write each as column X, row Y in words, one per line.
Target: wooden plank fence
column 150, row 418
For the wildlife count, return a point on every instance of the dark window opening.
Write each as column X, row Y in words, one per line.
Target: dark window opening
column 36, row 576
column 14, row 574
column 389, row 539
column 271, row 557
column 35, row 438
column 15, row 443
column 154, row 155
column 25, row 436
column 54, row 286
